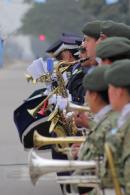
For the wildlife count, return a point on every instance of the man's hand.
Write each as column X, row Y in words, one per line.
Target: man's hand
column 81, row 119
column 75, row 150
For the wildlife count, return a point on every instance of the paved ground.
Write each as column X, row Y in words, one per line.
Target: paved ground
column 15, row 180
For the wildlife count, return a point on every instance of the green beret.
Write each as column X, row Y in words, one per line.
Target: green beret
column 114, row 29
column 118, row 74
column 112, row 47
column 95, row 80
column 92, row 29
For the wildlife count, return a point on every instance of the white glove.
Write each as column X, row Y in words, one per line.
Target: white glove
column 53, row 99
column 62, row 102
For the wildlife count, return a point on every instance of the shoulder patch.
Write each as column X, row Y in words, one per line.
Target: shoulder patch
column 114, row 131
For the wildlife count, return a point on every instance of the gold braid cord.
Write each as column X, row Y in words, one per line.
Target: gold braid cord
column 112, row 169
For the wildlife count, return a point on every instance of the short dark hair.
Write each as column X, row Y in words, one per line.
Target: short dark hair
column 59, row 56
column 73, row 51
column 103, row 95
column 127, row 88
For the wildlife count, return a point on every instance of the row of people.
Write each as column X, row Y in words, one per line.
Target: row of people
column 102, row 81
column 104, row 43
column 102, row 99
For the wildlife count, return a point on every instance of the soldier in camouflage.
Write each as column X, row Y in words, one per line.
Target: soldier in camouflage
column 104, row 117
column 118, row 78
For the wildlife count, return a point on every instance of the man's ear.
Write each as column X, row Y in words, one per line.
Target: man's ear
column 103, row 36
column 120, row 92
column 94, row 95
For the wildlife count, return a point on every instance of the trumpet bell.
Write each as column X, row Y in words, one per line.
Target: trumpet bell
column 73, row 106
column 39, row 166
column 34, row 173
column 33, row 112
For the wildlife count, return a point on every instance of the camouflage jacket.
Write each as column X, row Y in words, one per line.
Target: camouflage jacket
column 119, row 140
column 94, row 144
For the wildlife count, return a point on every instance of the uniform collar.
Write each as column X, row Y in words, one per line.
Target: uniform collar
column 75, row 67
column 125, row 114
column 100, row 115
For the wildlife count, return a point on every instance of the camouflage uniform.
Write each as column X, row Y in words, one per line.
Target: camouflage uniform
column 118, row 75
column 93, row 148
column 94, row 145
column 119, row 140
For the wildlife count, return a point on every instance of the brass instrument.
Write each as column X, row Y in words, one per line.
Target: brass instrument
column 59, row 124
column 44, row 78
column 54, row 117
column 72, row 106
column 61, row 67
column 112, row 169
column 69, row 64
column 39, row 166
column 40, row 141
column 47, row 77
column 33, row 112
column 57, row 115
column 68, row 124
column 30, row 78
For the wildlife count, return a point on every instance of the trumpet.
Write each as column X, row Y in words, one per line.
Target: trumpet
column 72, row 106
column 39, row 166
column 33, row 112
column 40, row 141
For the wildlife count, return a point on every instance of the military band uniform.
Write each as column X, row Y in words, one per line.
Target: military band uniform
column 75, row 85
column 66, row 44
